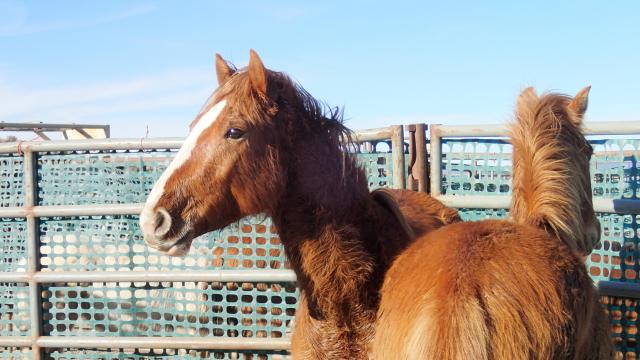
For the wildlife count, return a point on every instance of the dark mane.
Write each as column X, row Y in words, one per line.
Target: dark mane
column 319, row 118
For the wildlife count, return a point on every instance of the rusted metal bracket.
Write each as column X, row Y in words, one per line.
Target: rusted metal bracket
column 417, row 170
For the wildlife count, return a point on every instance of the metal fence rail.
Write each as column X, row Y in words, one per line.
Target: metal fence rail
column 438, row 132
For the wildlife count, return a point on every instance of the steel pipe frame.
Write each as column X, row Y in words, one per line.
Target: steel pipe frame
column 92, row 144
column 152, row 143
column 33, row 253
column 397, row 153
column 617, row 206
column 34, row 277
column 619, row 289
column 600, row 205
column 31, row 212
column 136, row 342
column 499, row 130
column 48, row 277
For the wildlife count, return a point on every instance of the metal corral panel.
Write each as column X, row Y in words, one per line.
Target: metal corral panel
column 77, row 280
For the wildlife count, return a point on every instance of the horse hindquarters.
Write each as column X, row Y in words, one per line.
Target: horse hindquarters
column 483, row 290
column 418, row 318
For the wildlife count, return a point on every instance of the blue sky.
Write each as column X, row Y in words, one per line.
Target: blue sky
column 137, row 63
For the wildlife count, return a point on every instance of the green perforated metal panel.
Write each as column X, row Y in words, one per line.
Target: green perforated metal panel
column 11, row 170
column 623, row 313
column 470, row 167
column 135, row 354
column 482, row 214
column 115, row 243
column 80, row 178
column 14, row 353
column 247, row 310
column 614, row 168
column 615, row 258
column 476, row 167
column 483, row 167
column 13, row 245
column 378, row 168
column 14, row 309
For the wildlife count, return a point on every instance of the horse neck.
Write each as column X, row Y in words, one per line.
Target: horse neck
column 547, row 189
column 334, row 234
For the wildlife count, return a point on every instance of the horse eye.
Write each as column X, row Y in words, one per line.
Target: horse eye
column 234, row 133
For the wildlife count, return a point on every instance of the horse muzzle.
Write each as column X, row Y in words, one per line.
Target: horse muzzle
column 157, row 229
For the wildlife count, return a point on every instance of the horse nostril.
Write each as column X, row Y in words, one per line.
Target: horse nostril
column 163, row 222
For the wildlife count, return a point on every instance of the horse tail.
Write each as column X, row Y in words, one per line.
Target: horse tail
column 454, row 329
column 462, row 333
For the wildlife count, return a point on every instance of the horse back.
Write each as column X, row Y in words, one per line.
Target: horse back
column 489, row 290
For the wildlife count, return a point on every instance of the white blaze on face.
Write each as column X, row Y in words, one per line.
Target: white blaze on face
column 147, row 222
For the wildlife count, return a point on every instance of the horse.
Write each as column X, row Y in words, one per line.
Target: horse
column 262, row 144
column 513, row 289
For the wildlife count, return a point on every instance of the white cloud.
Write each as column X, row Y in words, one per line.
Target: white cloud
column 17, row 100
column 15, row 19
column 173, row 95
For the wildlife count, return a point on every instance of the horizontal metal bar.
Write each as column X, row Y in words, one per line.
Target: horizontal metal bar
column 619, row 289
column 613, row 206
column 48, row 126
column 500, row 130
column 600, row 205
column 72, row 210
column 612, row 128
column 200, row 343
column 88, row 210
column 476, row 201
column 93, row 144
column 619, row 206
column 23, row 341
column 480, row 130
column 13, row 212
column 254, row 275
column 373, row 134
column 144, row 143
column 15, row 277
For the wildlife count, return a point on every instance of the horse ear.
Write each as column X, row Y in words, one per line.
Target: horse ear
column 223, row 70
column 579, row 103
column 526, row 97
column 257, row 73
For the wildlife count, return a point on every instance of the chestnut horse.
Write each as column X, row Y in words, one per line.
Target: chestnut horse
column 508, row 289
column 262, row 144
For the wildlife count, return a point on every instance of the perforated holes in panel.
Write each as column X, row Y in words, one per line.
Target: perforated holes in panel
column 14, row 309
column 80, row 178
column 13, row 245
column 169, row 309
column 11, row 180
column 110, row 243
column 181, row 354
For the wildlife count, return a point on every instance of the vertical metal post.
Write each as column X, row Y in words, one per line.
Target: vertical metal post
column 33, row 250
column 420, row 167
column 436, row 161
column 412, row 181
column 397, row 151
